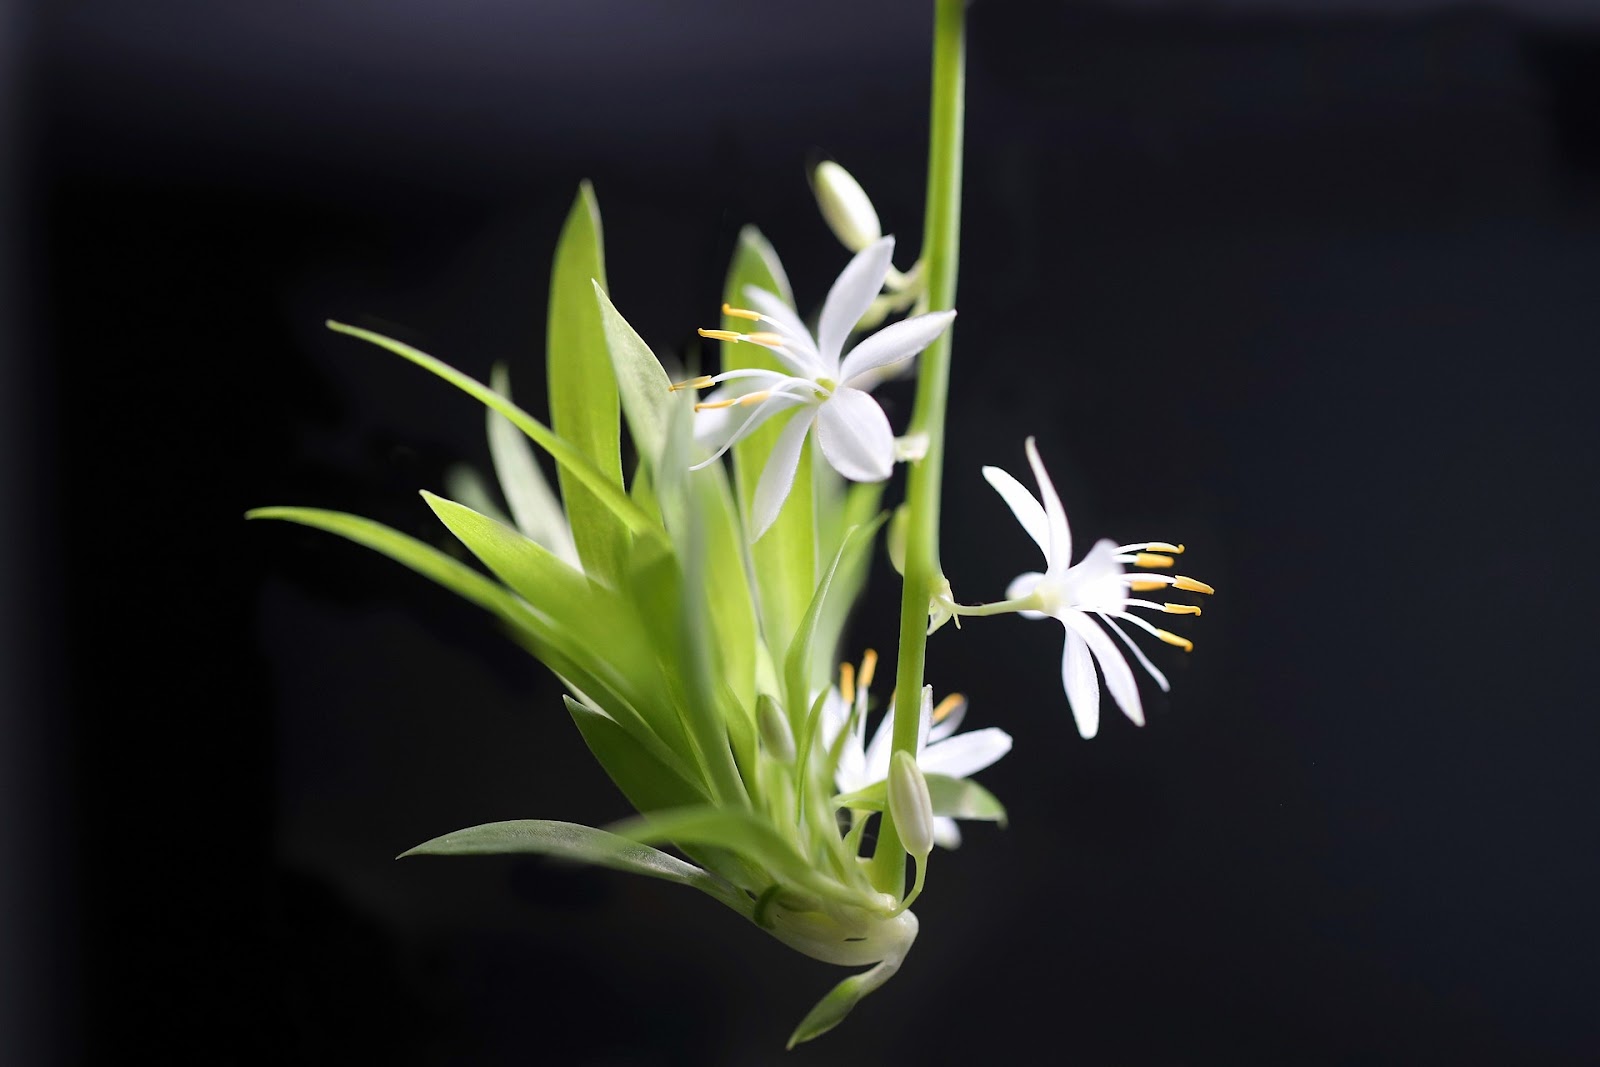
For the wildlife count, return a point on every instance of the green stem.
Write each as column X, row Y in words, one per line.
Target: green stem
column 940, row 251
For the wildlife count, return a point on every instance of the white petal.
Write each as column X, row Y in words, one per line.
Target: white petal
column 1119, row 676
column 856, row 287
column 893, row 343
column 1144, row 660
column 1078, row 679
column 855, row 436
column 788, row 322
column 778, row 477
column 1059, row 553
column 722, row 434
column 966, row 754
column 835, row 713
column 878, row 749
column 946, row 834
column 1096, row 582
column 1027, row 509
column 1021, row 586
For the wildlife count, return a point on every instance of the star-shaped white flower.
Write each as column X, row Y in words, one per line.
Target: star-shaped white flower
column 940, row 750
column 831, row 389
column 1097, row 587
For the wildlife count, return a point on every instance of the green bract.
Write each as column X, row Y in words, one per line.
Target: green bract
column 638, row 594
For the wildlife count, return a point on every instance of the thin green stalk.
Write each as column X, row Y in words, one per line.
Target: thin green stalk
column 940, row 252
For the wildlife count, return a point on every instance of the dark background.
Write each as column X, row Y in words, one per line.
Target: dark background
column 1309, row 288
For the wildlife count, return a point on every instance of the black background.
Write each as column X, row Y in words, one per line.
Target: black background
column 1312, row 292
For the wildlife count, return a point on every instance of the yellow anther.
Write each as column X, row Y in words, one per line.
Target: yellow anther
column 1180, row 609
column 740, row 313
column 1173, row 639
column 1150, row 559
column 869, row 666
column 1189, row 585
column 715, row 405
column 766, row 337
column 847, row 682
column 754, row 398
column 1146, row 585
column 1162, row 546
column 720, row 335
column 702, row 382
column 947, row 706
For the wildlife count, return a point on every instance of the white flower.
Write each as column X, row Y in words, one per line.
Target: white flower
column 830, row 390
column 940, row 750
column 1097, row 587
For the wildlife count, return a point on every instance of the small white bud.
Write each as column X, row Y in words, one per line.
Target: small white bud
column 776, row 736
column 845, row 206
column 910, row 805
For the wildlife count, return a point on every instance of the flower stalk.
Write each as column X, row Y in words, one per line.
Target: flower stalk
column 940, row 254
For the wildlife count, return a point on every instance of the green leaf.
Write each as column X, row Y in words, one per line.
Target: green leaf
column 797, row 673
column 742, row 833
column 583, row 389
column 648, row 783
column 646, row 391
column 593, row 625
column 561, row 450
column 534, row 506
column 785, row 559
column 858, row 505
column 959, row 798
column 580, row 844
column 527, row 626
column 840, row 1001
column 733, row 612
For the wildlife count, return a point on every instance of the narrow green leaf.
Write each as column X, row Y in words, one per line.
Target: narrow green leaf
column 648, row 783
column 727, row 583
column 646, row 391
column 594, row 625
column 959, row 798
column 797, row 673
column 840, row 1001
column 533, row 631
column 580, row 844
column 858, row 505
column 743, row 833
column 561, row 450
column 583, row 389
column 534, row 506
column 785, row 559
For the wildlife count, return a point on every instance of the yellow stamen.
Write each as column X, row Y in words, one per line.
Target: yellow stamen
column 715, row 405
column 946, row 706
column 702, row 382
column 766, row 337
column 1173, row 639
column 869, row 666
column 755, row 398
column 720, row 335
column 740, row 313
column 1180, row 609
column 1145, row 585
column 1150, row 559
column 1189, row 585
column 847, row 682
column 1162, row 546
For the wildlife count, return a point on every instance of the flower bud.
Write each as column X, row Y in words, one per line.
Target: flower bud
column 910, row 805
column 776, row 736
column 845, row 206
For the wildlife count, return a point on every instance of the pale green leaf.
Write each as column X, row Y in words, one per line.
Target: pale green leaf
column 646, row 391
column 534, row 505
column 579, row 844
column 840, row 1001
column 561, row 450
column 583, row 390
column 784, row 560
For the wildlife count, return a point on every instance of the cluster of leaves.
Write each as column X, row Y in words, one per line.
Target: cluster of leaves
column 696, row 662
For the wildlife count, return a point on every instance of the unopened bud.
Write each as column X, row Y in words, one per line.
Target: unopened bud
column 845, row 206
column 776, row 736
column 910, row 805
